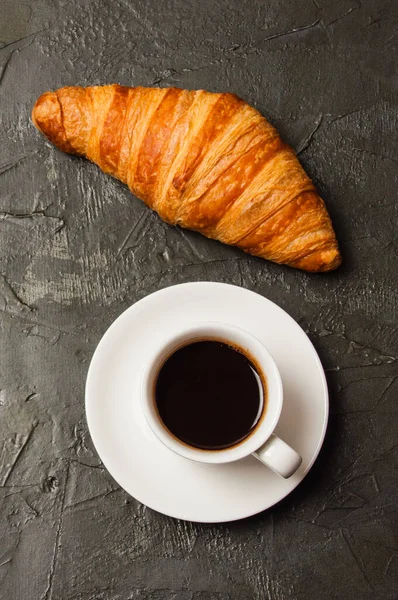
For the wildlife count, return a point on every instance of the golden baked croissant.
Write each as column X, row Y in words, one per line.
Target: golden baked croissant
column 204, row 161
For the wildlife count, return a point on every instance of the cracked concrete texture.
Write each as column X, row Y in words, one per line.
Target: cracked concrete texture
column 74, row 248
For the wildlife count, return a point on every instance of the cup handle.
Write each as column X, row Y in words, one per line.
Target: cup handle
column 279, row 457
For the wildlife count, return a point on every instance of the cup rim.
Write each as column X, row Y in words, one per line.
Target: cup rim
column 228, row 333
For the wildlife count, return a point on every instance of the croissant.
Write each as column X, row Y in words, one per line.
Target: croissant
column 201, row 160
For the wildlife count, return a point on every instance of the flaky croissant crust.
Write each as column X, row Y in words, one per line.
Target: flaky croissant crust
column 201, row 160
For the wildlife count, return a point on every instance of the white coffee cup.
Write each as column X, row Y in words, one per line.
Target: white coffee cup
column 261, row 442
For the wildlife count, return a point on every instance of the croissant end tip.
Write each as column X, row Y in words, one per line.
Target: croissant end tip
column 46, row 111
column 320, row 261
column 47, row 117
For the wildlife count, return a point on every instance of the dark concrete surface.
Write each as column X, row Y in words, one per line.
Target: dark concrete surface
column 75, row 253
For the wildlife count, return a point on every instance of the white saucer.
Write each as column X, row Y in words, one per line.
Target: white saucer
column 141, row 464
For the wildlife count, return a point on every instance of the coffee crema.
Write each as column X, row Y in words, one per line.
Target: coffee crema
column 210, row 395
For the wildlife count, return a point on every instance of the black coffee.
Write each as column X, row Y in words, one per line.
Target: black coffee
column 209, row 395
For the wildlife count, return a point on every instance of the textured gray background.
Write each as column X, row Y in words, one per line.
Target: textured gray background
column 74, row 255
